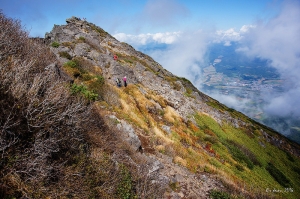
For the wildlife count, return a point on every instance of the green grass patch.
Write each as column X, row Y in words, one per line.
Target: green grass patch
column 238, row 154
column 216, row 194
column 244, row 156
column 81, row 68
column 278, row 175
column 55, row 44
column 83, row 90
column 185, row 80
column 189, row 92
column 87, row 77
column 95, row 83
column 125, row 185
column 82, row 39
column 206, row 122
column 72, row 64
column 174, row 186
column 65, row 55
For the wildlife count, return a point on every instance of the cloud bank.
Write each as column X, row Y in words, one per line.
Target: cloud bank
column 145, row 39
column 277, row 40
column 231, row 35
column 185, row 55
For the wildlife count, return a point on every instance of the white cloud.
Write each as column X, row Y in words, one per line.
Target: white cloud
column 185, row 55
column 246, row 28
column 231, row 35
column 144, row 39
column 227, row 43
column 231, row 100
column 277, row 40
column 225, row 36
column 286, row 105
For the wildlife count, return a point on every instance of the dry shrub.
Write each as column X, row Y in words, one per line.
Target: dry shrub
column 47, row 134
column 111, row 95
column 169, row 150
column 193, row 127
column 11, row 30
column 40, row 125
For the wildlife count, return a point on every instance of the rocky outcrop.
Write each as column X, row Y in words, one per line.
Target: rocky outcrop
column 99, row 48
column 129, row 134
column 81, row 39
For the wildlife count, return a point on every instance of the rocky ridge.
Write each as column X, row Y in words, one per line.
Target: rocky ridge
column 151, row 75
column 178, row 96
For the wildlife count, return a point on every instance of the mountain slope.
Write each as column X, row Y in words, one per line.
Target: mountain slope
column 159, row 137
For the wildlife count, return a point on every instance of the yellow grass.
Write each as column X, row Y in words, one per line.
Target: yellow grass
column 180, row 161
column 97, row 69
column 160, row 134
column 160, row 148
column 171, row 115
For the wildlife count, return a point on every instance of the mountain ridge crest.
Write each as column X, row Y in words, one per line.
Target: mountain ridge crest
column 157, row 137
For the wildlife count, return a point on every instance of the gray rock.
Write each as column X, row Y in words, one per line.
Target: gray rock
column 179, row 178
column 204, row 177
column 69, row 32
column 156, row 165
column 82, row 49
column 129, row 134
column 94, row 55
column 174, row 195
column 182, row 89
column 166, row 128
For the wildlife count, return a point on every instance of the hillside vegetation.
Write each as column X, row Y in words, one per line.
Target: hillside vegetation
column 67, row 130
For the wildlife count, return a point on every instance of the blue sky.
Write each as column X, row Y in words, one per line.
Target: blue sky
column 269, row 29
column 141, row 16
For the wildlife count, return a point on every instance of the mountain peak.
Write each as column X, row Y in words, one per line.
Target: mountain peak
column 74, row 19
column 159, row 105
column 155, row 136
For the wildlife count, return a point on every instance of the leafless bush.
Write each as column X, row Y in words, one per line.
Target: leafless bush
column 47, row 134
column 40, row 123
column 12, row 37
column 111, row 96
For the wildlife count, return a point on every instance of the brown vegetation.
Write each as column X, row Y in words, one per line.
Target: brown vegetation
column 68, row 132
column 52, row 143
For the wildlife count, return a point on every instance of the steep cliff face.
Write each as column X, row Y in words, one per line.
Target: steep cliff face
column 158, row 137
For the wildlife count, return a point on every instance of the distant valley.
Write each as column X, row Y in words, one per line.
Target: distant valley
column 251, row 82
column 243, row 83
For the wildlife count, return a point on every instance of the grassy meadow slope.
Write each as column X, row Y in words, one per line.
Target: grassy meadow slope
column 179, row 127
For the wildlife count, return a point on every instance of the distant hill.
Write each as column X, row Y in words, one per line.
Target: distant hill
column 69, row 131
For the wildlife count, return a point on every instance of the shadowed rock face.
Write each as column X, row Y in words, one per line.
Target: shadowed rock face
column 80, row 38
